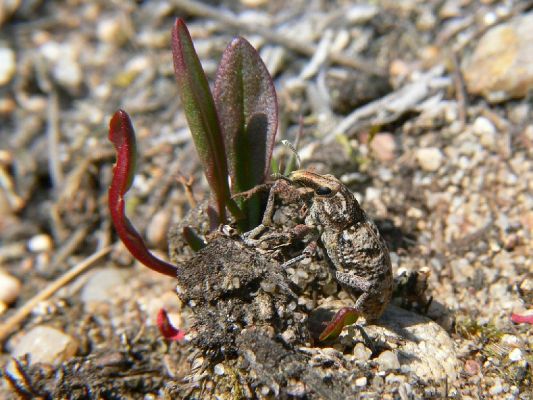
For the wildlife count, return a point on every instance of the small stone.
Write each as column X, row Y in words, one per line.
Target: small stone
column 46, row 345
column 296, row 388
column 515, row 355
column 510, row 340
column 497, row 388
column 253, row 3
column 361, row 382
column 472, row 367
column 156, row 233
column 68, row 73
column 360, row 13
column 501, row 65
column 483, row 125
column 40, row 243
column 405, row 390
column 9, row 288
column 430, row 159
column 361, row 352
column 383, row 146
column 113, row 30
column 219, row 369
column 388, row 361
column 100, row 286
column 486, row 131
column 8, row 65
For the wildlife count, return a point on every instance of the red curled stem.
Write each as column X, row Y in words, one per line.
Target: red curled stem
column 122, row 135
column 522, row 319
column 168, row 331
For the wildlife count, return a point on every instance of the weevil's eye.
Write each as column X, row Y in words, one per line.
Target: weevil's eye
column 323, row 190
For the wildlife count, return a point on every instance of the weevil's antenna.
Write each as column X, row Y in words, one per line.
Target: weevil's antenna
column 277, row 176
column 288, row 144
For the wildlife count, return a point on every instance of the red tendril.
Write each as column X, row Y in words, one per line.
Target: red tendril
column 122, row 135
column 166, row 328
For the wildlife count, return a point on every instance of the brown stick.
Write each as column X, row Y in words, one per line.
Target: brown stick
column 307, row 49
column 7, row 327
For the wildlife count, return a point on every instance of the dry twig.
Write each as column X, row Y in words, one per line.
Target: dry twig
column 307, row 49
column 8, row 326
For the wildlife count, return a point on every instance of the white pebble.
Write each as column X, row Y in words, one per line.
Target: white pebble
column 68, row 73
column 430, row 159
column 219, row 369
column 100, row 286
column 361, row 352
column 515, row 355
column 8, row 65
column 510, row 340
column 46, row 345
column 388, row 360
column 497, row 388
column 361, row 382
column 9, row 288
column 482, row 126
column 111, row 30
column 40, row 243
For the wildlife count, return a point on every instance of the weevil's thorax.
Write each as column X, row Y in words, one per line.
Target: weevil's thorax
column 337, row 211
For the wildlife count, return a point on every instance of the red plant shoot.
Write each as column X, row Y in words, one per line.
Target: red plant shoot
column 122, row 135
column 168, row 331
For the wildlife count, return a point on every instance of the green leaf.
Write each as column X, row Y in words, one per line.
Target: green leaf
column 246, row 104
column 202, row 116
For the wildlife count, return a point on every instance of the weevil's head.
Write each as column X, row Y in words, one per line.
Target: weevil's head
column 333, row 204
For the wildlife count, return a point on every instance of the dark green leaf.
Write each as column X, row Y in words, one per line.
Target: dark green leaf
column 246, row 104
column 201, row 114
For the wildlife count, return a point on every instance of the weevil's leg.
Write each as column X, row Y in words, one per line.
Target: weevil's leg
column 253, row 191
column 252, row 235
column 368, row 342
column 309, row 251
column 352, row 281
column 345, row 316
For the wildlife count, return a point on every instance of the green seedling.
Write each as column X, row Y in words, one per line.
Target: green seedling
column 233, row 131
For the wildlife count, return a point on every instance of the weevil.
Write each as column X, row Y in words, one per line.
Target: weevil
column 356, row 252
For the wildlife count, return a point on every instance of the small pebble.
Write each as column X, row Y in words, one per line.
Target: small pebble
column 100, row 286
column 219, row 369
column 383, row 146
column 430, row 159
column 112, row 31
column 156, row 233
column 361, row 352
column 9, row 288
column 500, row 67
column 497, row 388
column 253, row 3
column 40, row 243
column 515, row 355
column 483, row 125
column 8, row 65
column 510, row 340
column 296, row 388
column 46, row 345
column 388, row 360
column 472, row 367
column 361, row 382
